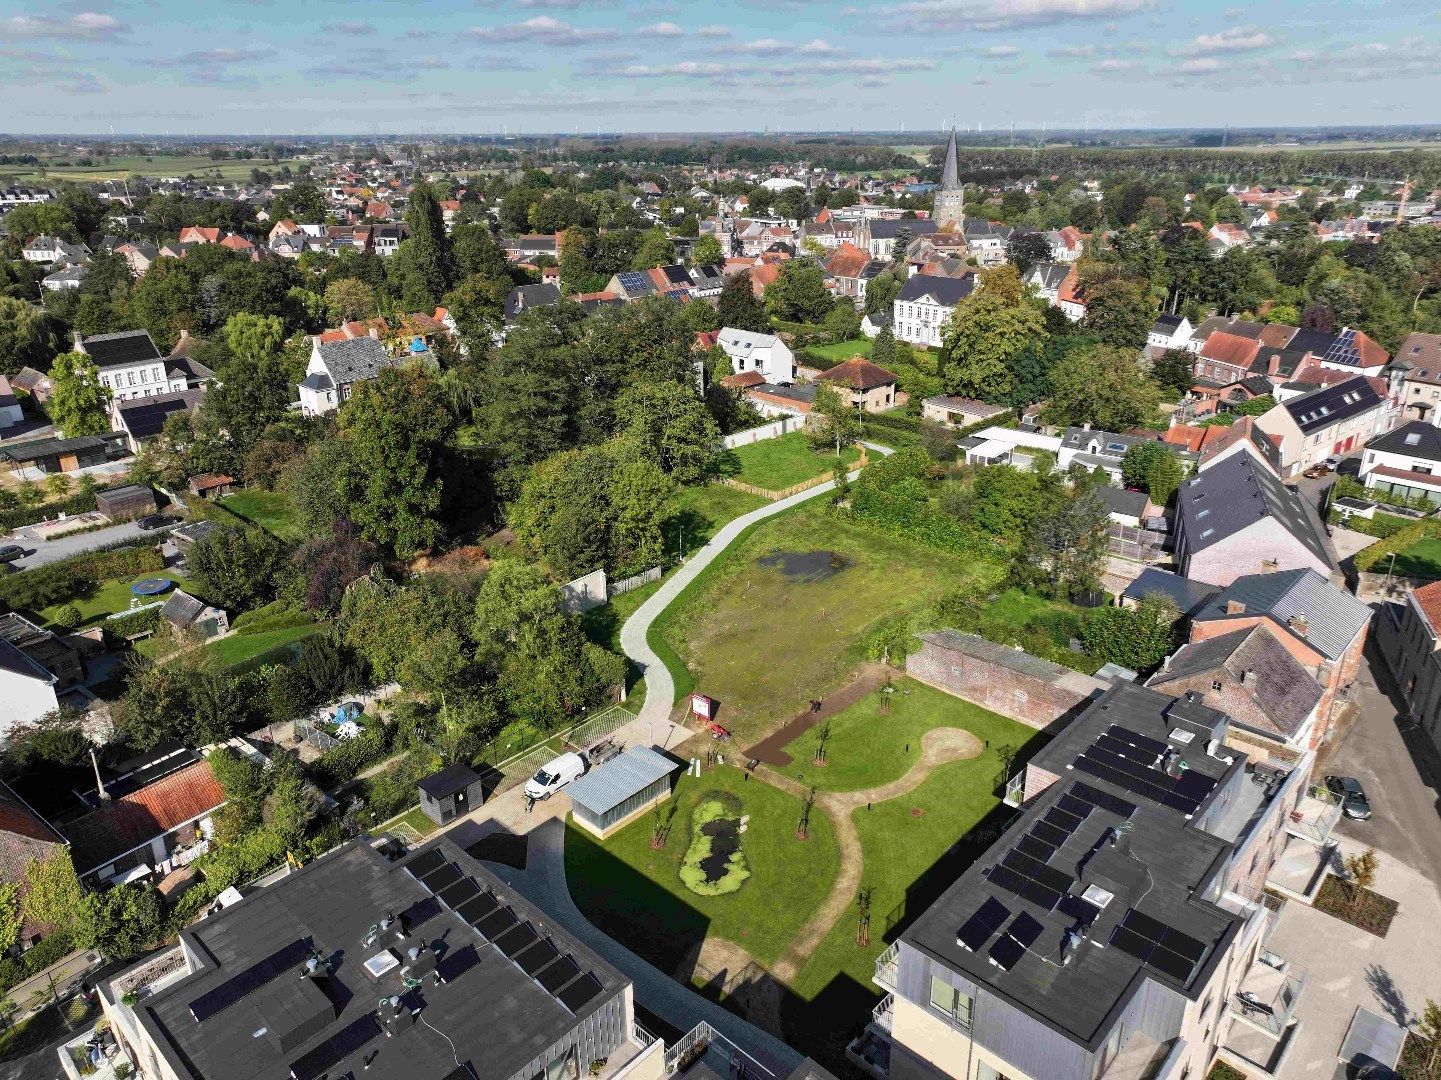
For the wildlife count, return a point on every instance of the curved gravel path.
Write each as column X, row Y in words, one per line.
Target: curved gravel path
column 659, row 686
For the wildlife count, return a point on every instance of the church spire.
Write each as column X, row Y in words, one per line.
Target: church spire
column 950, row 170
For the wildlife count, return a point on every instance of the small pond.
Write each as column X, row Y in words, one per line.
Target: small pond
column 714, row 864
column 805, row 566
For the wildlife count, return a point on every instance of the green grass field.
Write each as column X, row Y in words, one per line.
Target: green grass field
column 764, row 645
column 271, row 510
column 1421, row 560
column 634, row 893
column 241, row 647
column 120, row 168
column 844, row 350
column 701, row 510
column 776, row 464
column 110, row 598
column 868, row 747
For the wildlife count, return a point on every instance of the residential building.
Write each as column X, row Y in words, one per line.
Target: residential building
column 949, row 209
column 147, row 821
column 1067, row 244
column 10, row 411
column 52, row 249
column 1016, row 447
column 1323, row 626
column 69, row 276
column 194, row 617
column 12, row 197
column 1419, row 358
column 1046, row 279
column 1242, row 437
column 852, row 269
column 130, row 365
column 959, row 412
column 25, row 838
column 864, row 385
column 35, row 383
column 1169, row 332
column 878, row 236
column 1408, row 635
column 986, row 240
column 1236, row 518
column 62, row 655
column 335, row 368
column 337, row 970
column 1108, row 931
column 1331, row 421
column 141, row 419
column 1188, row 596
column 1094, row 449
column 1405, row 463
column 139, row 255
column 765, row 353
column 522, row 297
column 35, row 668
column 923, row 307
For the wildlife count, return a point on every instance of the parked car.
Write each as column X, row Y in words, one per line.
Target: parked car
column 11, row 552
column 151, row 522
column 1352, row 796
column 554, row 775
column 1333, row 462
column 1316, row 471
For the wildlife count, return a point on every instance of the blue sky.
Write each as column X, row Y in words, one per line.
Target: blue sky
column 443, row 66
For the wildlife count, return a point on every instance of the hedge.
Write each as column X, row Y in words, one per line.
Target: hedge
column 48, row 951
column 341, row 764
column 1379, row 525
column 134, row 622
column 80, row 503
column 45, row 585
column 1398, row 541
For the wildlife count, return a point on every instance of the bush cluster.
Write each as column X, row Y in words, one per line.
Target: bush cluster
column 1400, row 540
column 15, row 970
column 691, row 874
column 77, row 576
column 341, row 764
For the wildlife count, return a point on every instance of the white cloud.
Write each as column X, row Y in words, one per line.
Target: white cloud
column 1113, row 65
column 1072, row 52
column 820, row 47
column 543, row 30
column 999, row 52
column 874, row 81
column 662, row 29
column 1200, row 65
column 1237, row 39
column 354, row 29
column 690, row 69
column 212, row 58
column 85, row 26
column 713, row 31
column 1007, row 14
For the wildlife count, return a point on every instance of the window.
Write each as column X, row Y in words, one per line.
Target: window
column 950, row 1002
column 986, row 1072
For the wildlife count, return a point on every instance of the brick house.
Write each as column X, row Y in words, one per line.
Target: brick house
column 865, row 385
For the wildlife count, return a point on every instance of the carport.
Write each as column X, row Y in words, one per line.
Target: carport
column 622, row 789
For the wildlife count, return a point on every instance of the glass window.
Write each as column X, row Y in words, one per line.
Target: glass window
column 950, row 1001
column 985, row 1072
column 563, row 1067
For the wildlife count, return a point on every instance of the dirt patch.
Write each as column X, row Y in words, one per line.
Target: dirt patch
column 771, row 749
column 712, row 957
column 800, row 567
column 462, row 560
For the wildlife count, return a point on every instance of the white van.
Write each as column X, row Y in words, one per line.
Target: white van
column 554, row 775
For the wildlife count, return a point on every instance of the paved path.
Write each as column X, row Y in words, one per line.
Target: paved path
column 939, row 746
column 49, row 551
column 659, row 686
column 543, row 884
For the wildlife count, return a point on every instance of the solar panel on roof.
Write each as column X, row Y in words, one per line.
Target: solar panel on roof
column 1049, row 834
column 496, row 924
column 1083, row 911
column 425, row 862
column 420, row 912
column 1157, row 945
column 477, row 908
column 558, row 974
column 575, row 996
column 516, row 939
column 1004, row 877
column 1072, row 805
column 1169, row 963
column 457, row 894
column 1145, row 742
column 441, row 876
column 336, row 1049
column 1104, row 800
column 531, row 960
column 978, row 929
column 1036, row 849
column 1006, row 953
column 249, row 980
column 1068, row 823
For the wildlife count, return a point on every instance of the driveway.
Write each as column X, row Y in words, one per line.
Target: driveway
column 49, row 551
column 1400, row 775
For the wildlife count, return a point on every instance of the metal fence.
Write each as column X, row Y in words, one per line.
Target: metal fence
column 307, row 732
column 1129, row 542
column 516, row 770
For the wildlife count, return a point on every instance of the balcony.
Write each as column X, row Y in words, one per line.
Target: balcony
column 1315, row 816
column 1143, row 1058
column 1267, row 996
column 704, row 1043
column 631, row 1055
column 870, row 1051
column 884, row 1014
column 1016, row 789
column 1300, row 868
column 888, row 968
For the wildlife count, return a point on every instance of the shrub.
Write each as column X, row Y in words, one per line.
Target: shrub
column 1399, row 540
column 242, row 859
column 68, row 617
column 134, row 622
column 340, row 764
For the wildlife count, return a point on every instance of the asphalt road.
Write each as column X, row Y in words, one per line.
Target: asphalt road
column 49, row 551
column 1400, row 773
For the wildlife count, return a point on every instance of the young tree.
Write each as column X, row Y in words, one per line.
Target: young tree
column 832, row 421
column 1138, row 638
column 245, row 785
column 1102, row 386
column 1361, row 869
column 656, row 249
column 1025, row 248
column 1172, row 372
column 12, row 918
column 1065, row 547
column 986, row 331
column 27, row 336
column 1428, row 1026
column 1119, row 311
column 235, row 567
column 78, row 404
column 739, row 308
column 349, row 298
column 1152, row 467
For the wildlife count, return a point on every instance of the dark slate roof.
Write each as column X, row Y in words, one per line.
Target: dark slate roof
column 1261, row 685
column 1332, row 617
column 1417, row 439
column 1332, row 404
column 1233, row 495
column 1166, row 324
column 35, row 449
column 13, row 660
column 318, row 381
column 1160, row 866
column 355, row 359
column 145, row 417
column 1313, row 341
column 181, row 609
column 884, row 229
column 1120, row 501
column 1048, row 275
column 947, row 291
column 122, row 349
column 489, row 1013
column 1107, row 443
column 1288, row 360
column 449, row 780
column 1189, row 596
column 528, row 296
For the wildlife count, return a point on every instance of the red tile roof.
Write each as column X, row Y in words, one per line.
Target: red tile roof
column 744, row 379
column 1428, row 599
column 847, row 261
column 131, row 820
column 858, row 373
column 1230, row 349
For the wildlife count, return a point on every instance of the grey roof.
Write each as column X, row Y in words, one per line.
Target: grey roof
column 888, row 228
column 1048, row 276
column 1209, row 327
column 193, row 531
column 35, row 449
column 947, row 291
column 1002, row 655
column 355, row 359
column 181, row 609
column 145, row 417
column 1261, row 685
column 1235, row 494
column 449, row 780
column 318, row 381
column 122, row 349
column 607, row 786
column 1107, row 443
column 1417, row 439
column 1161, row 866
column 529, row 296
column 1332, row 404
column 1166, row 324
column 950, row 174
column 1189, row 596
column 493, row 1015
column 1121, row 501
column 1332, row 618
column 13, row 660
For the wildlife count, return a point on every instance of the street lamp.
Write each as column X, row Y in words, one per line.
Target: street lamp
column 1389, row 568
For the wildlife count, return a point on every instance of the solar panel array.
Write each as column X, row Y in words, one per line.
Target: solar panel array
column 1127, row 759
column 1344, row 350
column 513, row 937
column 317, row 1062
column 977, row 930
column 632, row 281
column 250, row 980
column 1157, row 945
column 1006, row 953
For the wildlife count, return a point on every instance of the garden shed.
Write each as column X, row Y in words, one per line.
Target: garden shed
column 123, row 503
column 451, row 792
column 615, row 793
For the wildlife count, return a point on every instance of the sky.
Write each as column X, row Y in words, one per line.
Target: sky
column 281, row 67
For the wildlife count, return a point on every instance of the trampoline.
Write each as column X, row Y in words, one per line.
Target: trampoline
column 151, row 586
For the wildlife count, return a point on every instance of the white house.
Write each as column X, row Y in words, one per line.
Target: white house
column 1047, row 278
column 766, row 353
column 1170, row 332
column 49, row 249
column 1008, row 446
column 923, row 307
column 69, row 276
column 27, row 690
column 130, row 364
column 334, row 369
column 1405, row 463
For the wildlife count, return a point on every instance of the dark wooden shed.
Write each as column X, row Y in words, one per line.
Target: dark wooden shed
column 123, row 503
column 451, row 792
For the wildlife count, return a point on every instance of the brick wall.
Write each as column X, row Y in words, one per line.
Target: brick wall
column 1034, row 701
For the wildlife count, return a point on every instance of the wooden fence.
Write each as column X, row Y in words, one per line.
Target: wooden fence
column 796, row 489
column 645, row 577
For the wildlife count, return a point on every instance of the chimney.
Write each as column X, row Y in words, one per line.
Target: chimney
column 1299, row 624
column 375, row 332
column 1235, row 607
column 1250, row 679
column 1274, row 367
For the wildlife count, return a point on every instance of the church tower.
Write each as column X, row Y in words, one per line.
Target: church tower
column 950, row 210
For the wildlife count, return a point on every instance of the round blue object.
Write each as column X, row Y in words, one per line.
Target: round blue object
column 151, row 586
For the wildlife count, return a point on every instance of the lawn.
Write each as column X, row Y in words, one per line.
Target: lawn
column 271, row 510
column 1421, row 560
column 701, row 511
column 242, row 647
column 412, row 821
column 776, row 464
column 843, row 350
column 764, row 644
column 868, row 747
column 110, row 598
column 634, row 892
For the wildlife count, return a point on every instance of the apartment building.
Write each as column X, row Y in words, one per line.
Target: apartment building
column 1333, row 420
column 1115, row 929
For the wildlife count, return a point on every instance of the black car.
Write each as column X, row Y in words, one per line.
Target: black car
column 153, row 521
column 1351, row 795
column 11, row 552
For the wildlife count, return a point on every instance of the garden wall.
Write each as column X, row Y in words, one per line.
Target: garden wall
column 774, row 430
column 1008, row 681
